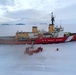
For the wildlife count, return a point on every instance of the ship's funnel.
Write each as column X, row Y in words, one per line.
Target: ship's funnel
column 34, row 29
column 50, row 28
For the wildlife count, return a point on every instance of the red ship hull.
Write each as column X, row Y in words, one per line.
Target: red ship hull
column 42, row 40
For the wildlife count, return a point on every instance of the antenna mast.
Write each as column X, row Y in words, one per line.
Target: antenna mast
column 52, row 18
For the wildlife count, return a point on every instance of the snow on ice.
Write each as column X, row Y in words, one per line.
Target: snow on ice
column 13, row 61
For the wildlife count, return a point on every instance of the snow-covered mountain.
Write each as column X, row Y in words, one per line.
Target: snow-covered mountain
column 29, row 16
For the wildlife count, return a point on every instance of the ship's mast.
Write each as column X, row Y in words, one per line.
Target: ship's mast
column 52, row 18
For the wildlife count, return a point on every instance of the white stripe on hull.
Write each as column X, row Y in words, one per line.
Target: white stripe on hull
column 69, row 38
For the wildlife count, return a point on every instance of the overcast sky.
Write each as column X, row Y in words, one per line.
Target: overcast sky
column 13, row 6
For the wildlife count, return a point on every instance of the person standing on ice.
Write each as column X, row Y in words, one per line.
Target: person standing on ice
column 57, row 49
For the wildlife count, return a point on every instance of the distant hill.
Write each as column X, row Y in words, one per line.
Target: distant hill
column 5, row 24
column 20, row 24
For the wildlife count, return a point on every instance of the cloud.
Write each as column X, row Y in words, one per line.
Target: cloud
column 3, row 19
column 65, row 3
column 2, row 11
column 12, row 7
column 47, row 5
column 3, row 2
column 18, row 5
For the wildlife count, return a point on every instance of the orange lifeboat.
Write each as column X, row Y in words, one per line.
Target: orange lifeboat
column 30, row 50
